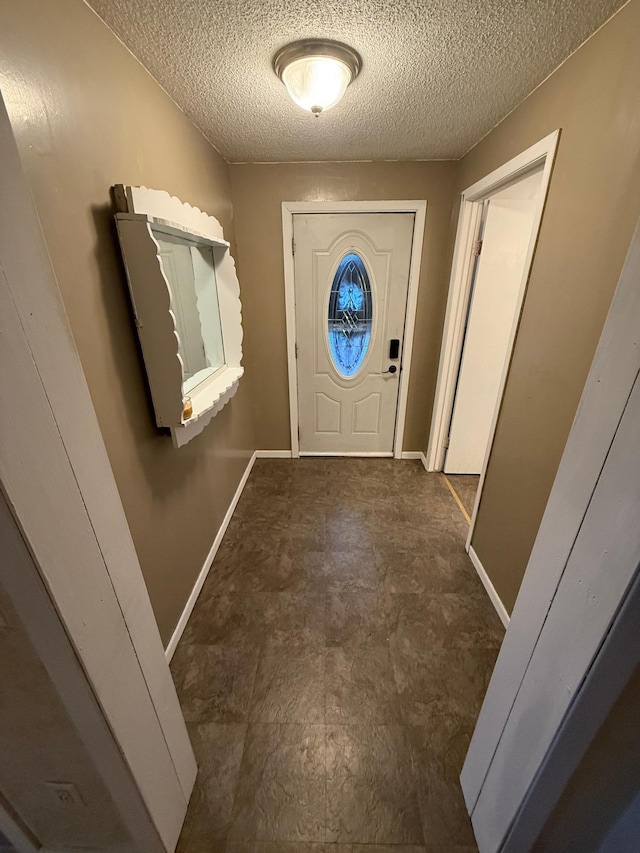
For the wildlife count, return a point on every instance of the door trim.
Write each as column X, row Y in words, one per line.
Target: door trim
column 536, row 745
column 81, row 598
column 471, row 200
column 289, row 208
column 370, row 454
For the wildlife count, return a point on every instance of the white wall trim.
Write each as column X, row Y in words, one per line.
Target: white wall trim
column 410, row 323
column 543, row 152
column 453, row 332
column 501, row 610
column 416, row 454
column 204, row 571
column 519, row 165
column 368, row 454
column 569, row 602
column 611, row 670
column 273, row 454
column 81, row 597
column 289, row 208
column 374, row 206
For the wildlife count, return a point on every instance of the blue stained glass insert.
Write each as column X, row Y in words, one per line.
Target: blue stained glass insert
column 350, row 315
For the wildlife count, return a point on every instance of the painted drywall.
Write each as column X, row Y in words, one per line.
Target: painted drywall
column 592, row 209
column 258, row 192
column 86, row 115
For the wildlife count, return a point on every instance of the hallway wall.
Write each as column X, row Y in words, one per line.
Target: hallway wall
column 86, row 115
column 258, row 191
column 592, row 208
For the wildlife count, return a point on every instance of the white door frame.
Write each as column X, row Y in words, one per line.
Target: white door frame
column 542, row 153
column 572, row 642
column 289, row 208
column 80, row 597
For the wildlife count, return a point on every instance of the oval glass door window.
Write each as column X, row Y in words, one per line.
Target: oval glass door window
column 350, row 315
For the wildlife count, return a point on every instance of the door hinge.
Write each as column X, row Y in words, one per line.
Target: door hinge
column 446, row 443
column 477, row 248
column 293, row 246
column 296, row 349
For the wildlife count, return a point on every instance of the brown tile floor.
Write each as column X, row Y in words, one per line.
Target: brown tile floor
column 334, row 665
column 466, row 486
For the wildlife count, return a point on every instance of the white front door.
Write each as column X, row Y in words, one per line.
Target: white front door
column 351, row 283
column 495, row 305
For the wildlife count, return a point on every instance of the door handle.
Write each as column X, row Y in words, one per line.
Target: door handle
column 394, row 348
column 392, row 369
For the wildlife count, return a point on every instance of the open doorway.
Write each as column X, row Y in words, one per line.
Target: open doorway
column 500, row 254
column 498, row 228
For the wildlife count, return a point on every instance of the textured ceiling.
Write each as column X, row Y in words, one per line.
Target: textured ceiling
column 437, row 75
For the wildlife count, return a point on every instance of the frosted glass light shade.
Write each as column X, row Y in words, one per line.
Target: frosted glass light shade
column 316, row 72
column 316, row 83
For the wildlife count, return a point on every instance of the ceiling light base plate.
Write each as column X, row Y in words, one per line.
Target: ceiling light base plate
column 317, row 47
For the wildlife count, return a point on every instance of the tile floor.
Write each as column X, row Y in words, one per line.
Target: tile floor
column 334, row 665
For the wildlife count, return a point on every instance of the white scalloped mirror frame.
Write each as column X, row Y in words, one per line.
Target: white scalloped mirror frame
column 141, row 213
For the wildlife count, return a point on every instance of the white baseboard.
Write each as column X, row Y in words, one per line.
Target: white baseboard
column 416, row 454
column 286, row 454
column 195, row 592
column 501, row 610
column 320, row 454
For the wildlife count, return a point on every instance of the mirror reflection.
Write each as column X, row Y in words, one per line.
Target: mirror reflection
column 190, row 271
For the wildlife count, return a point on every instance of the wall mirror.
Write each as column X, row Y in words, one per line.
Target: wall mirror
column 186, row 302
column 190, row 272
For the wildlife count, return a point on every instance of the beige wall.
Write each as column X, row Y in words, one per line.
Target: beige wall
column 86, row 116
column 258, row 191
column 593, row 205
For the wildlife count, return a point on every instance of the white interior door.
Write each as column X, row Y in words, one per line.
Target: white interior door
column 494, row 310
column 351, row 284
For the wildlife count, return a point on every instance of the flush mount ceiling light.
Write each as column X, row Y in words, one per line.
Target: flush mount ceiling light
column 316, row 72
